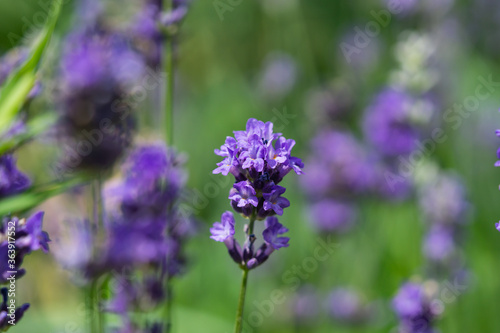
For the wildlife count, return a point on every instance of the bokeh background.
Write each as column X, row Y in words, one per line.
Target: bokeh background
column 222, row 59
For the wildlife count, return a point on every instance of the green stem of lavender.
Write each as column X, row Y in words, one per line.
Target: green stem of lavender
column 168, row 68
column 243, row 289
column 89, row 302
column 98, row 316
column 241, row 302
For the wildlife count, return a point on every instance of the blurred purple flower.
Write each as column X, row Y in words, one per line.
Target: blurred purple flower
column 12, row 181
column 278, row 75
column 98, row 69
column 327, row 104
column 439, row 244
column 390, row 183
column 412, row 306
column 402, row 7
column 330, row 215
column 146, row 28
column 74, row 249
column 153, row 180
column 341, row 166
column 444, row 201
column 305, row 305
column 345, row 305
column 387, row 124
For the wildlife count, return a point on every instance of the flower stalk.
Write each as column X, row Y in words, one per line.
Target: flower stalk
column 243, row 289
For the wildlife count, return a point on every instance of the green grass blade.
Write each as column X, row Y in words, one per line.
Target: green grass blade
column 14, row 92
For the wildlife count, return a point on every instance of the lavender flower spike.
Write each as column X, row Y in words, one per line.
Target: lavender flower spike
column 258, row 159
column 413, row 307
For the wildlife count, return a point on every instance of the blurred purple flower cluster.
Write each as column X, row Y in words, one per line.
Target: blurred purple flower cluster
column 149, row 27
column 444, row 206
column 18, row 237
column 343, row 305
column 98, row 69
column 149, row 215
column 413, row 306
column 144, row 230
column 12, row 180
column 346, row 306
column 338, row 171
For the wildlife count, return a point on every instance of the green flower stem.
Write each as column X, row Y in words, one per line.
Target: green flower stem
column 98, row 318
column 89, row 303
column 243, row 289
column 241, row 302
column 168, row 68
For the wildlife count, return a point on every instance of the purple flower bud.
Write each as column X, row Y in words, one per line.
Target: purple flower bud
column 272, row 232
column 243, row 194
column 12, row 181
column 234, row 249
column 224, row 229
column 274, row 201
column 252, row 263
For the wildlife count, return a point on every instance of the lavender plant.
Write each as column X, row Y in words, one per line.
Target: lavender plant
column 341, row 171
column 18, row 237
column 259, row 160
column 95, row 127
column 413, row 306
column 346, row 306
column 441, row 195
column 149, row 229
column 446, row 212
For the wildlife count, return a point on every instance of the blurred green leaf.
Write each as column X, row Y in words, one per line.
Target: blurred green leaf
column 35, row 196
column 34, row 127
column 18, row 85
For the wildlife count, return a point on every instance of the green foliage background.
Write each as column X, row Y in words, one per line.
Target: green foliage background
column 219, row 61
